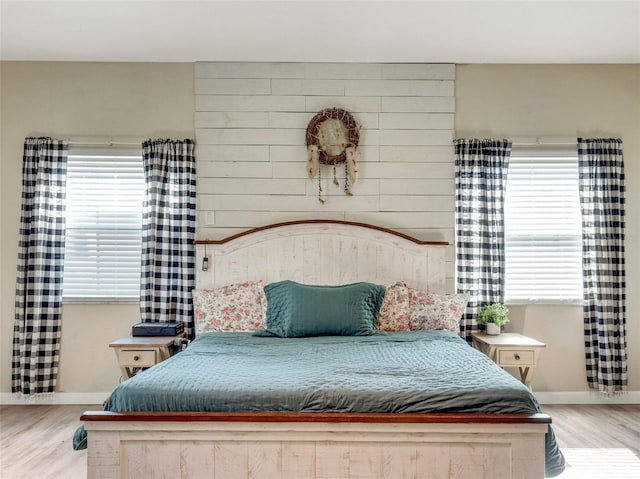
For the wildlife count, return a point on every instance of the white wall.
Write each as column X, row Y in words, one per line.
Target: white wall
column 250, row 130
column 70, row 100
column 150, row 100
column 563, row 101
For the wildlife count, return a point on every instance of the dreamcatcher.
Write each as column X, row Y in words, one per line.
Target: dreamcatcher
column 332, row 138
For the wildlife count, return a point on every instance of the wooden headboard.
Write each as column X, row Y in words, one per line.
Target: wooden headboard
column 328, row 252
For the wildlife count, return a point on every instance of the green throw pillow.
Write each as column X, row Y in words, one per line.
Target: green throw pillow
column 296, row 310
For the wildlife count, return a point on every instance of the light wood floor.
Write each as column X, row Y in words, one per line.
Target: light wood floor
column 600, row 442
column 36, row 442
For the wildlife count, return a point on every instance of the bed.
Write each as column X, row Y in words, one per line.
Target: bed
column 384, row 405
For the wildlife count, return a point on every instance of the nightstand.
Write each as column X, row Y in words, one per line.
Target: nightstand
column 137, row 352
column 510, row 350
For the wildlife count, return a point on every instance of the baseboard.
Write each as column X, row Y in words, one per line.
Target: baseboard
column 54, row 399
column 586, row 397
column 561, row 397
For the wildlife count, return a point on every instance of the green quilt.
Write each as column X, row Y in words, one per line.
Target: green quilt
column 404, row 372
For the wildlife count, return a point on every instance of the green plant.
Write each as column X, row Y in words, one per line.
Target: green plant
column 493, row 313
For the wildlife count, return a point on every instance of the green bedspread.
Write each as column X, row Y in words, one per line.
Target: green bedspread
column 404, row 372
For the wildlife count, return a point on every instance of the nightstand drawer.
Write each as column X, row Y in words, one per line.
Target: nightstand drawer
column 512, row 357
column 138, row 358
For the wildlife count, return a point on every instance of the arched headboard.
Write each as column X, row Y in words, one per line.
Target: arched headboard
column 328, row 252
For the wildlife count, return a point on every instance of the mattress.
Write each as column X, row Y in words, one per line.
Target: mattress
column 403, row 372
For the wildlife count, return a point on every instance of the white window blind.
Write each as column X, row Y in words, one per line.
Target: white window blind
column 105, row 191
column 543, row 245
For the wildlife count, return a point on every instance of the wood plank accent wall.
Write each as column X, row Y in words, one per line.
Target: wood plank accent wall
column 250, row 131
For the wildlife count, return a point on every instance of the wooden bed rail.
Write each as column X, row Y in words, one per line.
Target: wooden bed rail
column 319, row 445
column 330, row 417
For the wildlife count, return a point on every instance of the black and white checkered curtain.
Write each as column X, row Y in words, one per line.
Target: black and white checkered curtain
column 602, row 198
column 168, row 232
column 481, row 176
column 36, row 339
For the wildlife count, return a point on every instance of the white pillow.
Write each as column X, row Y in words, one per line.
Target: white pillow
column 437, row 311
column 235, row 307
column 395, row 314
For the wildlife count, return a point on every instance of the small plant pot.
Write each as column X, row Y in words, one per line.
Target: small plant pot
column 493, row 329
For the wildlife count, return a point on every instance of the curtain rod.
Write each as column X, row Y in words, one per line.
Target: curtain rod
column 105, row 141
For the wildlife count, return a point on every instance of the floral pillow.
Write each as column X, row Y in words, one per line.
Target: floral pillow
column 436, row 311
column 394, row 313
column 236, row 307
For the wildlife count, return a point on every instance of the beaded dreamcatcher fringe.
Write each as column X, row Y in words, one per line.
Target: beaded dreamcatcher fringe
column 350, row 170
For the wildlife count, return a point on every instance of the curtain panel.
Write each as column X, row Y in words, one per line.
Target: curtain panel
column 480, row 177
column 38, row 301
column 602, row 202
column 168, row 232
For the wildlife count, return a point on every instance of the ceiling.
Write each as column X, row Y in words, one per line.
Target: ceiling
column 451, row 31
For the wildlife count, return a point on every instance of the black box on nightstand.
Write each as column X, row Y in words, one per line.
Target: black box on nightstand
column 158, row 329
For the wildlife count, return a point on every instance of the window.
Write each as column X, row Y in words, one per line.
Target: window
column 105, row 191
column 543, row 238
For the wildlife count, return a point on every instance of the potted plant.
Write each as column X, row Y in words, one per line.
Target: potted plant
column 493, row 316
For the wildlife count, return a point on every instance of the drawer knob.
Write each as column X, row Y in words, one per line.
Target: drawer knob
column 137, row 358
column 516, row 356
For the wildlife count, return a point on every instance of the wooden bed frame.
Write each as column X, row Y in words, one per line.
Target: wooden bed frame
column 317, row 445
